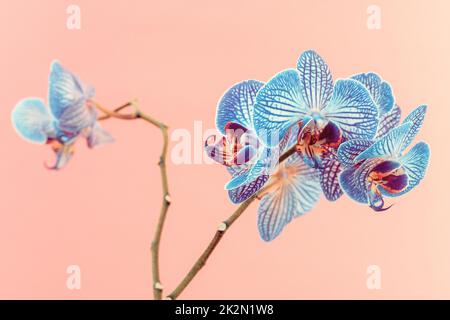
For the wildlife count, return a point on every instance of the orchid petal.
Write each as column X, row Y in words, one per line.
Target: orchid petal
column 390, row 145
column 98, row 136
column 291, row 199
column 63, row 155
column 316, row 82
column 353, row 110
column 354, row 182
column 349, row 150
column 236, row 105
column 263, row 165
column 276, row 209
column 380, row 90
column 245, row 191
column 67, row 99
column 386, row 100
column 279, row 104
column 32, row 120
column 415, row 163
column 416, row 117
column 329, row 178
column 388, row 121
column 350, row 182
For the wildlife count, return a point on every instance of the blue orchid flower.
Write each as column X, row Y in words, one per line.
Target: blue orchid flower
column 293, row 186
column 377, row 168
column 238, row 143
column 247, row 160
column 69, row 116
column 326, row 113
column 349, row 150
column 381, row 93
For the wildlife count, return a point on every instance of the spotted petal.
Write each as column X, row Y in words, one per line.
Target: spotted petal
column 67, row 99
column 236, row 105
column 380, row 90
column 316, row 82
column 388, row 121
column 353, row 110
column 289, row 200
column 349, row 150
column 415, row 163
column 279, row 104
column 33, row 121
column 391, row 145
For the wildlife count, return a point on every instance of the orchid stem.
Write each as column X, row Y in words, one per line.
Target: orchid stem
column 223, row 227
column 115, row 114
column 106, row 116
column 166, row 200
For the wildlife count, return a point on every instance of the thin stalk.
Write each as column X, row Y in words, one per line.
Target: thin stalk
column 223, row 227
column 166, row 200
column 104, row 117
column 114, row 114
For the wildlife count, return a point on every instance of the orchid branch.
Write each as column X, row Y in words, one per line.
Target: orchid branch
column 222, row 228
column 138, row 114
column 106, row 116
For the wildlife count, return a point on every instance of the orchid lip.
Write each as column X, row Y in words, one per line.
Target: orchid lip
column 390, row 176
column 377, row 204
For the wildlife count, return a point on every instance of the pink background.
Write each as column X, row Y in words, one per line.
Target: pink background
column 178, row 57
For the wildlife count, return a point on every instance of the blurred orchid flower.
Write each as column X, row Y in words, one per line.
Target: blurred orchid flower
column 69, row 116
column 326, row 113
column 293, row 187
column 379, row 168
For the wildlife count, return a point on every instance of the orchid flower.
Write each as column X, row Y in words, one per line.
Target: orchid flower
column 326, row 113
column 246, row 159
column 292, row 187
column 69, row 116
column 380, row 168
